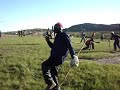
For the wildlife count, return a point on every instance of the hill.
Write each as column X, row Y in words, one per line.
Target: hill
column 88, row 27
column 94, row 27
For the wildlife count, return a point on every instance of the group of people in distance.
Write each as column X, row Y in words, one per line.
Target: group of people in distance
column 90, row 42
column 59, row 51
column 21, row 33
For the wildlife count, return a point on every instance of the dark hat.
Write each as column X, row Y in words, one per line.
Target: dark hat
column 58, row 26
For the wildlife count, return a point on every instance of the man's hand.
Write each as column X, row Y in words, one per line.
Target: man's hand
column 74, row 61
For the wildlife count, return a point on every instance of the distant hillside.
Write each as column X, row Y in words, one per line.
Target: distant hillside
column 27, row 31
column 94, row 27
column 89, row 27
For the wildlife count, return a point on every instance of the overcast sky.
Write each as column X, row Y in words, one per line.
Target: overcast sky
column 26, row 14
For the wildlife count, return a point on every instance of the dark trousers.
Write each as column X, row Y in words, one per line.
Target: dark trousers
column 50, row 69
column 92, row 45
column 116, row 43
column 83, row 38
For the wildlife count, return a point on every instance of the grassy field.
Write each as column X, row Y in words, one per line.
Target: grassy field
column 21, row 58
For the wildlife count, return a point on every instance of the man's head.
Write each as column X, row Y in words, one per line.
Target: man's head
column 58, row 27
column 112, row 33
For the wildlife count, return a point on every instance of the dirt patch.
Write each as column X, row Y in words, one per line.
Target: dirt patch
column 110, row 60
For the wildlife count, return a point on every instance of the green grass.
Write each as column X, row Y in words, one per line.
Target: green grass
column 102, row 49
column 92, row 76
column 21, row 58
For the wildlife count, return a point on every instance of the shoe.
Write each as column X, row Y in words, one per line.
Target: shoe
column 49, row 87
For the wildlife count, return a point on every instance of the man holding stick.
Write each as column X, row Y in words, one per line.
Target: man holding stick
column 59, row 51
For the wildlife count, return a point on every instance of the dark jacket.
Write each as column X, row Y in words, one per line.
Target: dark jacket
column 115, row 37
column 61, row 46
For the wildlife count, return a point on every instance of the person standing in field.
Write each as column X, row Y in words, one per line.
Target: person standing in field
column 116, row 40
column 83, row 35
column 102, row 36
column 59, row 51
column 0, row 33
column 93, row 35
column 19, row 33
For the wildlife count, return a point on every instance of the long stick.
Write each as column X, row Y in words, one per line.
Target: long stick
column 70, row 67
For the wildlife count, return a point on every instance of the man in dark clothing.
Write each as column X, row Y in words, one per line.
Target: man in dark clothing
column 0, row 33
column 102, row 36
column 19, row 33
column 59, row 51
column 116, row 40
column 83, row 35
column 89, row 44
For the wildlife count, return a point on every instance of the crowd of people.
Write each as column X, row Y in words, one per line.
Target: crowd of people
column 59, row 51
column 90, row 42
column 21, row 33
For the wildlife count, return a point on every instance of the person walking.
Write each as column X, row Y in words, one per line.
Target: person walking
column 116, row 40
column 59, row 51
column 83, row 36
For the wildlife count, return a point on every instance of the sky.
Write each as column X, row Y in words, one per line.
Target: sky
column 28, row 14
